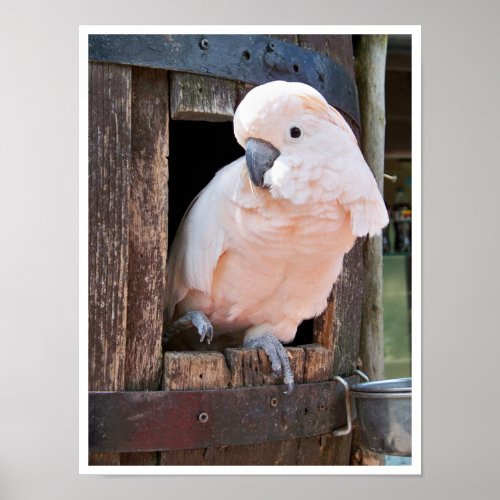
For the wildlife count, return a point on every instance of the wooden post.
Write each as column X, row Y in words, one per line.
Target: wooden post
column 370, row 71
column 370, row 76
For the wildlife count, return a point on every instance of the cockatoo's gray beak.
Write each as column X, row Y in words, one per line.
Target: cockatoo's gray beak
column 260, row 156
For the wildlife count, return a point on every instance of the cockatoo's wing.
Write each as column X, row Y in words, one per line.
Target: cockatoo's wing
column 362, row 199
column 198, row 245
column 360, row 196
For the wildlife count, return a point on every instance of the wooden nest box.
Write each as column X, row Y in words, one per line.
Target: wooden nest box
column 152, row 110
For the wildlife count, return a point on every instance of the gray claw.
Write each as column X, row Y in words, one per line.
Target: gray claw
column 280, row 364
column 190, row 319
column 207, row 332
column 289, row 387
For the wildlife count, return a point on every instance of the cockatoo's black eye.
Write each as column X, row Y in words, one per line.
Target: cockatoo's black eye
column 295, row 132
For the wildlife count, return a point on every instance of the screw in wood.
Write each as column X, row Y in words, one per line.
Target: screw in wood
column 203, row 417
column 274, row 402
column 204, row 44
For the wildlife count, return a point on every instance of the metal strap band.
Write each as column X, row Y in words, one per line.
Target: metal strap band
column 247, row 58
column 173, row 420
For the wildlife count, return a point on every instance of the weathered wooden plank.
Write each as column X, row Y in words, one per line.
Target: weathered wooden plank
column 185, row 371
column 147, row 237
column 104, row 459
column 197, row 97
column 346, row 328
column 148, row 228
column 109, row 184
column 146, row 458
column 318, row 363
column 251, row 367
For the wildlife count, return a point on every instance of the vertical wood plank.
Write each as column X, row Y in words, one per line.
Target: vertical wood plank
column 109, row 184
column 346, row 328
column 147, row 237
column 148, row 228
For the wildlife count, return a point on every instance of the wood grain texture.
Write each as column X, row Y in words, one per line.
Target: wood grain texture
column 251, row 367
column 346, row 328
column 197, row 97
column 109, row 186
column 148, row 228
column 148, row 207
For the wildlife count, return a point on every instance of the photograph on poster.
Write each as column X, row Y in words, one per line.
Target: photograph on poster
column 250, row 250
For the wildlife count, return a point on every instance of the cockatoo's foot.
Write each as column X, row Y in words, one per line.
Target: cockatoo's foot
column 190, row 319
column 280, row 364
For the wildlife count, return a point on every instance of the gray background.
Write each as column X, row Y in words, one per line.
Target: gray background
column 39, row 247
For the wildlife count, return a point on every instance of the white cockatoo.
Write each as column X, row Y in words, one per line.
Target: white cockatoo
column 261, row 246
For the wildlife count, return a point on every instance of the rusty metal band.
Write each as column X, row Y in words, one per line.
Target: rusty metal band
column 174, row 420
column 247, row 58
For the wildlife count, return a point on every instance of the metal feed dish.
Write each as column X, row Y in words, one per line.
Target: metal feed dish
column 384, row 412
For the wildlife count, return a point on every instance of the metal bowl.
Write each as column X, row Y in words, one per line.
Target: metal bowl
column 384, row 414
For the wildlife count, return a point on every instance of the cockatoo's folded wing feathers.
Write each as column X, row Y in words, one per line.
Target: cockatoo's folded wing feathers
column 197, row 247
column 362, row 198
